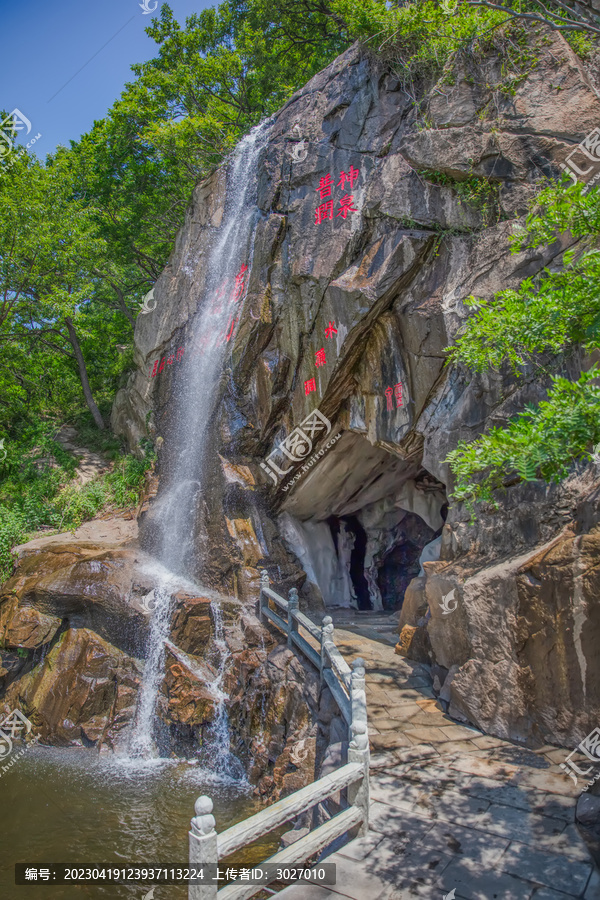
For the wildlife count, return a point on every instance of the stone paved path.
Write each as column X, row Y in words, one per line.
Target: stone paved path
column 91, row 463
column 451, row 808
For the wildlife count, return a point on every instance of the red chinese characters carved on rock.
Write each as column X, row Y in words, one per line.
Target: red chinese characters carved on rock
column 346, row 206
column 351, row 176
column 309, row 386
column 325, row 185
column 320, row 358
column 330, row 330
column 239, row 290
column 325, row 210
column 240, row 287
column 397, row 392
column 170, row 359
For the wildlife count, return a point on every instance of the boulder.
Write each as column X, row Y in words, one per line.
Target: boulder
column 83, row 693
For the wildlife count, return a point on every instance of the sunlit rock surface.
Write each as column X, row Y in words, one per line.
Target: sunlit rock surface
column 74, row 623
column 382, row 293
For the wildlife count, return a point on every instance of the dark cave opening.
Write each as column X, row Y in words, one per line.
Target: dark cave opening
column 401, row 564
column 380, row 546
column 357, row 562
column 357, row 558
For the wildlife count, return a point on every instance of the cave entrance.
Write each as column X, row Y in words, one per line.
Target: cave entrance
column 350, row 540
column 401, row 563
column 380, row 547
column 357, row 563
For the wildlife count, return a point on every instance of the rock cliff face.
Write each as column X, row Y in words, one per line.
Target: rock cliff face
column 336, row 410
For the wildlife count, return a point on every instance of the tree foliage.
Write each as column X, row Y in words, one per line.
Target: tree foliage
column 534, row 329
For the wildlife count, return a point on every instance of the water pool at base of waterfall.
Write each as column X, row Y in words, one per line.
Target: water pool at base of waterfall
column 64, row 805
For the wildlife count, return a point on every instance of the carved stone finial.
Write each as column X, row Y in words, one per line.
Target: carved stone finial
column 204, row 821
column 264, row 578
column 357, row 680
column 360, row 737
column 358, row 673
column 327, row 629
column 203, row 806
column 293, row 597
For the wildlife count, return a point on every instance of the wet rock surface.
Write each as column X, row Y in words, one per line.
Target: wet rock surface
column 74, row 626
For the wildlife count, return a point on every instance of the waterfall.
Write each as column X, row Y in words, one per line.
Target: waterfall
column 171, row 528
column 216, row 750
column 142, row 739
column 184, row 455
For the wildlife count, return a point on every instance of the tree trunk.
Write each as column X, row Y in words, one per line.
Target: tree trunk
column 74, row 340
column 122, row 306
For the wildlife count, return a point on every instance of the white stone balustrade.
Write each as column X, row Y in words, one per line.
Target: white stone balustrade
column 348, row 689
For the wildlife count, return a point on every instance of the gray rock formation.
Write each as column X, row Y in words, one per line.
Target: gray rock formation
column 363, row 296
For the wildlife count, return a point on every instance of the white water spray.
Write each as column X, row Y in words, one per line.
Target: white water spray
column 179, row 503
column 142, row 739
column 216, row 750
column 175, row 512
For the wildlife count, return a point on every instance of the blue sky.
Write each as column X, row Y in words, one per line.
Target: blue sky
column 45, row 43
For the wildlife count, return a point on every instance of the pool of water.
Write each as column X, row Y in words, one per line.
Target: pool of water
column 72, row 806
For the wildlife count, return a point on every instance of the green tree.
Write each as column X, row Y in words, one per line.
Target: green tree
column 50, row 254
column 535, row 328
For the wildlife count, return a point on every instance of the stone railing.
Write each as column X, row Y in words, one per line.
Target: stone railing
column 348, row 689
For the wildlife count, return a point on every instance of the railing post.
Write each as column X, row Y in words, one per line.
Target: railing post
column 203, row 847
column 264, row 583
column 292, row 623
column 358, row 695
column 358, row 749
column 326, row 637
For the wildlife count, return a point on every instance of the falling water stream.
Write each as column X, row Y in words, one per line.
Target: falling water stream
column 175, row 514
column 69, row 805
column 142, row 740
column 176, row 509
column 218, row 739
